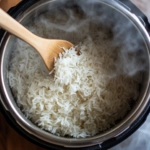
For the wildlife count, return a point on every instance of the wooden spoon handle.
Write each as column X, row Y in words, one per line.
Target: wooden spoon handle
column 12, row 26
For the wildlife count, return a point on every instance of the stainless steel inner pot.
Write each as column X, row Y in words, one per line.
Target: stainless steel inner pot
column 8, row 100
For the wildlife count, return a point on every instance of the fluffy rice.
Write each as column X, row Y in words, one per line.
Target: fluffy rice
column 82, row 96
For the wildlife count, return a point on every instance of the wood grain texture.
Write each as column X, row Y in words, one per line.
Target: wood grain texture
column 11, row 140
column 6, row 4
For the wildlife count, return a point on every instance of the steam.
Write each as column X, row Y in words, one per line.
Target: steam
column 82, row 19
column 132, row 54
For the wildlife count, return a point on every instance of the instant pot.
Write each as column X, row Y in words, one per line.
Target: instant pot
column 23, row 11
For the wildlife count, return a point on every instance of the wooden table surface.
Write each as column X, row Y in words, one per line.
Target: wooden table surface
column 9, row 138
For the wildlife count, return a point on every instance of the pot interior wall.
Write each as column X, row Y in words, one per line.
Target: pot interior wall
column 76, row 17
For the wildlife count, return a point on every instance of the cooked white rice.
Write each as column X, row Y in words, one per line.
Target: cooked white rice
column 82, row 96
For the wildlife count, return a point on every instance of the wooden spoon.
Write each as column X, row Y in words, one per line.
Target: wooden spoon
column 48, row 49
